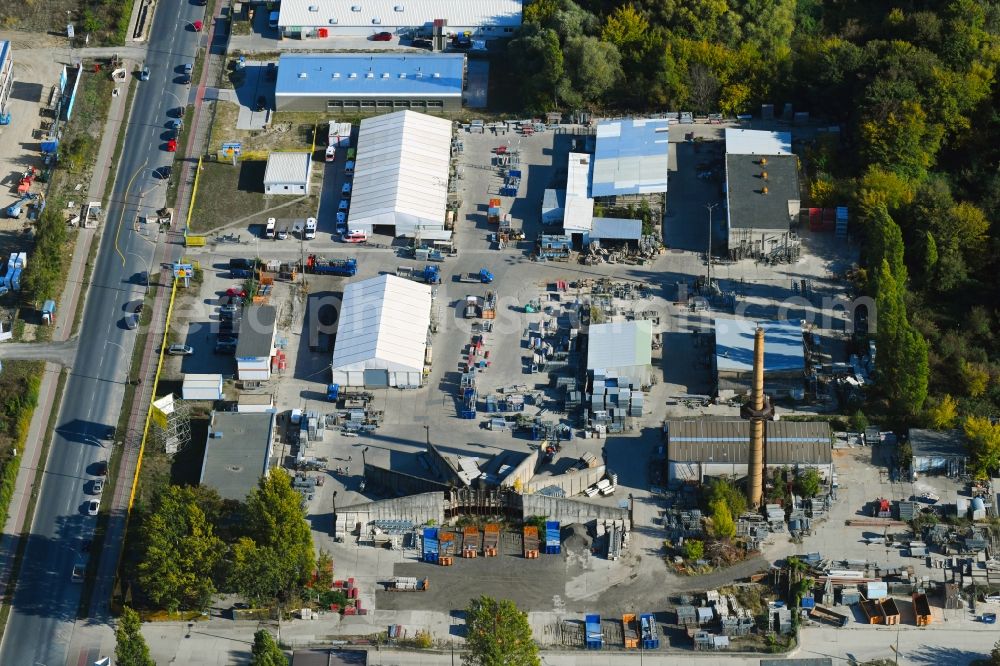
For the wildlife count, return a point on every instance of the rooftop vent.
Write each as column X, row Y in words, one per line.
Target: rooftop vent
column 763, row 174
column 419, row 75
column 763, row 161
column 398, row 8
column 353, row 75
column 385, row 75
column 370, row 75
column 355, row 8
column 333, row 21
column 303, row 75
column 763, row 190
column 336, row 75
column 436, row 75
column 402, row 75
column 314, row 8
column 377, row 21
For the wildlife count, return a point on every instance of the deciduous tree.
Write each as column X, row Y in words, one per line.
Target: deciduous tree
column 180, row 552
column 984, row 445
column 130, row 646
column 275, row 520
column 498, row 634
column 265, row 651
column 723, row 525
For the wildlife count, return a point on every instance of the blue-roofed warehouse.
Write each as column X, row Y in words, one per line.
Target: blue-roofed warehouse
column 631, row 157
column 369, row 82
column 784, row 356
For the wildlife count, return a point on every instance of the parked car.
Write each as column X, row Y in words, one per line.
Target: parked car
column 144, row 73
column 101, row 468
column 97, row 486
column 382, row 37
column 282, row 233
column 422, row 44
column 132, row 321
column 180, row 350
column 355, row 236
column 188, row 67
column 93, row 506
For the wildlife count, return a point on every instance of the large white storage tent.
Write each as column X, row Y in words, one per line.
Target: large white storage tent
column 401, row 173
column 382, row 333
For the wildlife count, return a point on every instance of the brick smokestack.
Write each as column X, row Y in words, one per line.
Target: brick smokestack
column 757, row 411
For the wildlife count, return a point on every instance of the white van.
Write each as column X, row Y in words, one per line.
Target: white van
column 310, row 232
column 269, row 229
column 349, row 168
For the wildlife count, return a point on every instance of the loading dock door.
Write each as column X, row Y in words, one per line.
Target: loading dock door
column 376, row 378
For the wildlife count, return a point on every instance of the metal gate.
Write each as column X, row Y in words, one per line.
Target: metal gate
column 376, row 378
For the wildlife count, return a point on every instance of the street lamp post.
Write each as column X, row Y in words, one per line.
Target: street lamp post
column 710, row 208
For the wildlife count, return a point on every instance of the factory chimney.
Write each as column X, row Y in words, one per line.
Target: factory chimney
column 757, row 411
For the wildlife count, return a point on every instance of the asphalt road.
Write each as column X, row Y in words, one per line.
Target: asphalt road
column 45, row 602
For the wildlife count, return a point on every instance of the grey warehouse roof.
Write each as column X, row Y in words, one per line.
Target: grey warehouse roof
column 235, row 462
column 632, row 157
column 619, row 344
column 722, row 441
column 256, row 332
column 287, row 168
column 748, row 207
column 783, row 347
column 615, row 228
column 938, row 443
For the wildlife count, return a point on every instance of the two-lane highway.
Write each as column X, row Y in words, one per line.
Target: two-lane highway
column 46, row 599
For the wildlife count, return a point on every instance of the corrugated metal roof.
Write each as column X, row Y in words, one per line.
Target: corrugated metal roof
column 401, row 172
column 619, row 344
column 578, row 213
column 722, row 441
column 632, row 157
column 287, row 168
column 383, row 325
column 383, row 15
column 757, row 142
column 363, row 75
column 783, row 347
column 257, row 332
column 615, row 228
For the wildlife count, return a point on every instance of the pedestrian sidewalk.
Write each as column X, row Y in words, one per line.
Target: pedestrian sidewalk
column 74, row 288
column 24, row 486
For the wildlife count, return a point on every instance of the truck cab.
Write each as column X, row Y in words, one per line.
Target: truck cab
column 269, row 228
column 310, row 229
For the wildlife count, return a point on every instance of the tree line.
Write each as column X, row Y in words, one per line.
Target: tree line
column 193, row 544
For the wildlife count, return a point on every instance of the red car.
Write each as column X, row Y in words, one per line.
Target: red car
column 382, row 37
column 239, row 292
column 198, row 25
column 172, row 146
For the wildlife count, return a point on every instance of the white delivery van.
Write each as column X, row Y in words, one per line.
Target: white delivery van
column 269, row 229
column 310, row 232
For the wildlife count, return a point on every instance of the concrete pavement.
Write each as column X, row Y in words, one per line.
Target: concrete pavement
column 62, row 353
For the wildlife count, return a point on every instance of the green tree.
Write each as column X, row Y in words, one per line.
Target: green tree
column 179, row 552
column 881, row 187
column 723, row 525
column 130, row 646
column 808, row 483
column 858, row 421
column 538, row 58
column 498, row 634
column 928, row 258
column 275, row 520
column 983, row 439
column 725, row 491
column 265, row 651
column 694, row 550
column 885, row 242
column 904, row 140
column 995, row 654
column 625, row 27
column 593, row 68
column 259, row 574
column 943, row 412
column 975, row 377
column 903, row 368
